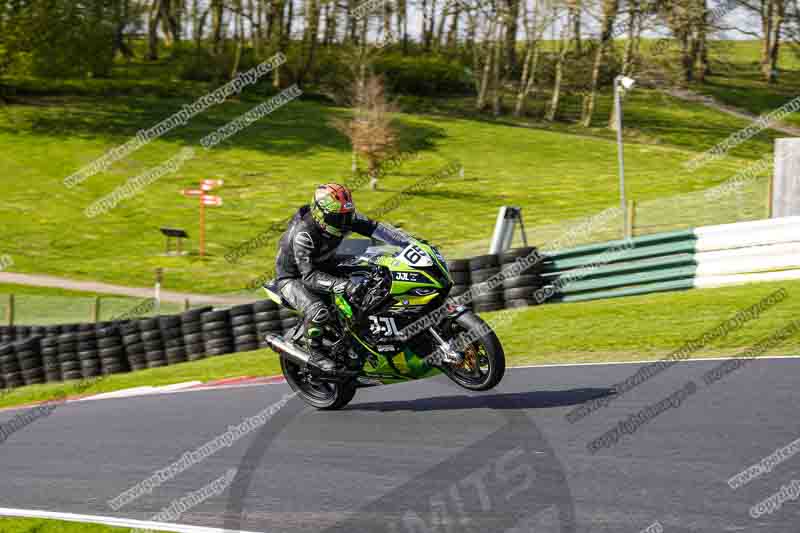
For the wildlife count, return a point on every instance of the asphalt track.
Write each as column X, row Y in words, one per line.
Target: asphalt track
column 429, row 457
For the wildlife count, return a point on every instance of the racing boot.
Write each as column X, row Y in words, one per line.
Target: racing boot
column 311, row 338
column 313, row 344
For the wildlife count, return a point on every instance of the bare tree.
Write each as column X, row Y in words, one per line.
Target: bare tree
column 370, row 130
column 535, row 20
column 609, row 16
column 563, row 44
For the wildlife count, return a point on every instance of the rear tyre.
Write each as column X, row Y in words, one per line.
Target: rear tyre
column 322, row 395
column 484, row 362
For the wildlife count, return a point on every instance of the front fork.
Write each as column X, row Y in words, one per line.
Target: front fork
column 445, row 352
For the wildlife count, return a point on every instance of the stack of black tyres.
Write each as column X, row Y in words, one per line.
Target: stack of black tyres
column 289, row 319
column 267, row 319
column 217, row 332
column 68, row 355
column 87, row 351
column 6, row 334
column 243, row 326
column 133, row 345
column 111, row 351
column 29, row 357
column 50, row 362
column 9, row 367
column 459, row 271
column 172, row 336
column 519, row 290
column 22, row 332
column 150, row 332
column 488, row 289
column 192, row 327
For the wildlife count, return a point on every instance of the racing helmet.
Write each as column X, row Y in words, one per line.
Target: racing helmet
column 333, row 210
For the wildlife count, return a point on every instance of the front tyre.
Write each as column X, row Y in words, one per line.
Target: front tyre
column 323, row 395
column 484, row 360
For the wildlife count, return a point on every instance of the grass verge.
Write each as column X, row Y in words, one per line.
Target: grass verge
column 38, row 525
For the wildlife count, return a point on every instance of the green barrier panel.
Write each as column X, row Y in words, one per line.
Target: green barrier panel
column 643, row 241
column 681, row 246
column 664, row 286
column 624, row 280
column 633, row 267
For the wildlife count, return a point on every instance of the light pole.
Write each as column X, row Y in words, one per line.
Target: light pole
column 622, row 84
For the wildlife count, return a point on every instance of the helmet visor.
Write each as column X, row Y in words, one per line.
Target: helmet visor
column 340, row 221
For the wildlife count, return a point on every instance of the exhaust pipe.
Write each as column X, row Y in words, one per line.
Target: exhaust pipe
column 294, row 353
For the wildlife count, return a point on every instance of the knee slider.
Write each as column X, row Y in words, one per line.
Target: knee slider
column 318, row 313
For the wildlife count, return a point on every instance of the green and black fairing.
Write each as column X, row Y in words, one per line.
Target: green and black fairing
column 416, row 281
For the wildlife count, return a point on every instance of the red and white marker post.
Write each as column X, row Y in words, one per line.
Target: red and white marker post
column 205, row 199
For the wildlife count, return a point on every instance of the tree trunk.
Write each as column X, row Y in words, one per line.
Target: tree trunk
column 387, row 19
column 431, row 26
column 498, row 74
column 552, row 110
column 630, row 44
column 772, row 21
column 200, row 29
column 287, row 35
column 171, row 18
column 423, row 31
column 154, row 18
column 610, row 8
column 217, row 24
column 452, row 33
column 402, row 23
column 310, row 38
column 528, row 78
column 488, row 48
column 330, row 18
column 350, row 23
column 687, row 57
column 121, row 14
column 512, row 27
column 440, row 31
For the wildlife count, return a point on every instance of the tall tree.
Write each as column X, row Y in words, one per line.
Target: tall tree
column 563, row 44
column 610, row 8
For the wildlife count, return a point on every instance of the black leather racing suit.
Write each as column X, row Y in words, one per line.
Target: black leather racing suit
column 305, row 265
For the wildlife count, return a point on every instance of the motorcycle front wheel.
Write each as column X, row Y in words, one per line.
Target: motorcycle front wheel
column 322, row 395
column 484, row 360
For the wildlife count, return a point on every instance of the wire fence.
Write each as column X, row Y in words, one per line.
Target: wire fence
column 748, row 200
column 44, row 310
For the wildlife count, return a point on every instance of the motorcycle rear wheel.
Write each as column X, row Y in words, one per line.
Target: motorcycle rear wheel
column 485, row 361
column 322, row 395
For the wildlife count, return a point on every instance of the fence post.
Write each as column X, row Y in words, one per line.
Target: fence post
column 630, row 219
column 770, row 188
column 10, row 309
column 96, row 310
column 186, row 305
column 786, row 186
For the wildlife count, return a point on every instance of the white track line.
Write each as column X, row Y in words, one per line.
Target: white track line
column 118, row 522
column 646, row 361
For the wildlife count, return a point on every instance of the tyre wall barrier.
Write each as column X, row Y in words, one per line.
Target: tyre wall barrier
column 46, row 354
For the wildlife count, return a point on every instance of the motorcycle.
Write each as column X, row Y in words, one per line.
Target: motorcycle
column 399, row 326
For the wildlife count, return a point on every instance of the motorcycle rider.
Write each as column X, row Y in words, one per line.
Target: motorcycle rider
column 305, row 267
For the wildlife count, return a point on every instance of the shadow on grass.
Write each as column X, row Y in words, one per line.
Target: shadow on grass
column 517, row 400
column 297, row 128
